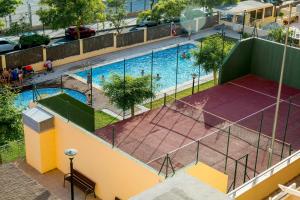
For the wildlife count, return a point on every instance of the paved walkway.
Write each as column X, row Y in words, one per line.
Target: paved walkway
column 53, row 181
column 17, row 185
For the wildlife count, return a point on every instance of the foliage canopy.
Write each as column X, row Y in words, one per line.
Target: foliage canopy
column 210, row 56
column 129, row 93
column 116, row 13
column 10, row 117
column 62, row 14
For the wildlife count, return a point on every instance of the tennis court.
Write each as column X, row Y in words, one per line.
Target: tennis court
column 227, row 127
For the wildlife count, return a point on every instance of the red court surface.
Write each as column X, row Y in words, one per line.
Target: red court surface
column 207, row 116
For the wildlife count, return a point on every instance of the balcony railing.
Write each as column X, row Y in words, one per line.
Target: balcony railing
column 264, row 175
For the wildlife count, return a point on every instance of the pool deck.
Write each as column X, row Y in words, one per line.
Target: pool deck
column 100, row 100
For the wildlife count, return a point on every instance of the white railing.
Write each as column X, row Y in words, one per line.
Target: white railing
column 264, row 175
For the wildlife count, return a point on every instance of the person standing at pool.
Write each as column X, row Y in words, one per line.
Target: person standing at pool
column 6, row 75
column 48, row 65
column 173, row 29
column 14, row 74
column 158, row 77
column 89, row 79
column 20, row 77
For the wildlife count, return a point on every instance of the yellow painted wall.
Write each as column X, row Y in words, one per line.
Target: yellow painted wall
column 115, row 173
column 48, row 151
column 40, row 149
column 265, row 188
column 210, row 176
column 291, row 197
column 32, row 148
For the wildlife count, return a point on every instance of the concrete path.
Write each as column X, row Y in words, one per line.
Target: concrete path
column 53, row 182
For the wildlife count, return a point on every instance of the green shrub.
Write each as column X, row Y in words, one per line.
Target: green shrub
column 33, row 40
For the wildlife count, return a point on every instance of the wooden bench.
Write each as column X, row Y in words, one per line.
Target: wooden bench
column 82, row 182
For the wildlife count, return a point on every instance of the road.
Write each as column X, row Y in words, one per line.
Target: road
column 29, row 7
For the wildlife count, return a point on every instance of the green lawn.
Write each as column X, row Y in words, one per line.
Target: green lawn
column 102, row 119
column 187, row 92
column 12, row 151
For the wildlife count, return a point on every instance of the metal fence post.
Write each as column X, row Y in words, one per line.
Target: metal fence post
column 124, row 84
column 33, row 94
column 91, row 86
column 165, row 99
column 151, row 79
column 290, row 149
column 227, row 148
column 162, row 165
column 235, row 172
column 286, row 128
column 167, row 166
column 258, row 141
column 246, row 166
column 61, row 83
column 197, row 155
column 177, row 63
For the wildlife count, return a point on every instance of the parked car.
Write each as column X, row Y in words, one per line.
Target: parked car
column 84, row 32
column 7, row 45
column 147, row 22
column 32, row 39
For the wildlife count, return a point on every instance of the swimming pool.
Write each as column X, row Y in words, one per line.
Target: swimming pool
column 164, row 64
column 24, row 98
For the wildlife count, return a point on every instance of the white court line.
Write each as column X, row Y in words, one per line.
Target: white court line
column 262, row 93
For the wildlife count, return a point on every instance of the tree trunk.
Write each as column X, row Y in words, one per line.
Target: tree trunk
column 215, row 77
column 132, row 110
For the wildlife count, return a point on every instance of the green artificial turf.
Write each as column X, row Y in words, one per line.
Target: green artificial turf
column 102, row 119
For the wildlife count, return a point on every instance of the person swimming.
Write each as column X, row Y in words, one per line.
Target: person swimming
column 185, row 55
column 158, row 77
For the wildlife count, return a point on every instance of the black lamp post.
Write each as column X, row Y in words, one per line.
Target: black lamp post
column 71, row 153
column 194, row 77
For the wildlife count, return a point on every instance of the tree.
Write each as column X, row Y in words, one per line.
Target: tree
column 1, row 25
column 18, row 27
column 166, row 10
column 169, row 10
column 8, row 6
column 116, row 13
column 211, row 56
column 279, row 34
column 126, row 95
column 65, row 13
column 10, row 117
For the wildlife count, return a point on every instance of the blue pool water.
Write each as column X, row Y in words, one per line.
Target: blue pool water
column 24, row 98
column 164, row 65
